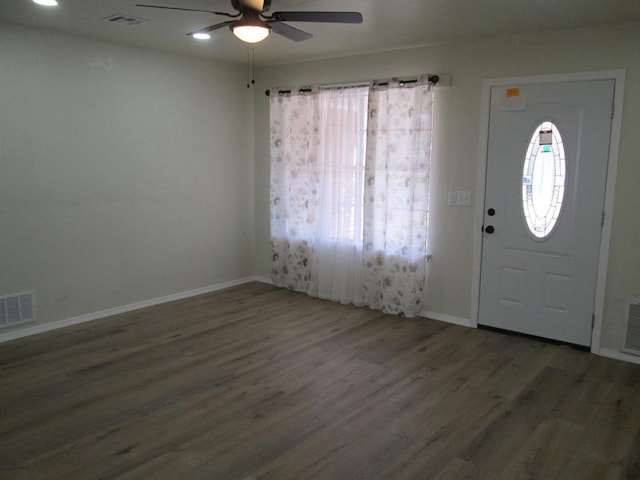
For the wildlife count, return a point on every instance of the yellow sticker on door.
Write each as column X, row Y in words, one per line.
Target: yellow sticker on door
column 513, row 92
column 512, row 98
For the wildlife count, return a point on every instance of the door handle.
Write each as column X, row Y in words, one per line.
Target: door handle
column 489, row 229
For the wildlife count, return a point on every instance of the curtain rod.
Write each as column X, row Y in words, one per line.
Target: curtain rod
column 432, row 79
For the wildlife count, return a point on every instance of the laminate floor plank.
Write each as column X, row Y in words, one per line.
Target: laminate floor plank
column 458, row 470
column 259, row 383
column 519, row 418
column 546, row 453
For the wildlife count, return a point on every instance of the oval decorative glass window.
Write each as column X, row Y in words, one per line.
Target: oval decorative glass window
column 543, row 180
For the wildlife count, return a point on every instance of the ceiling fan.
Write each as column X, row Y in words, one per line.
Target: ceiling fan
column 251, row 23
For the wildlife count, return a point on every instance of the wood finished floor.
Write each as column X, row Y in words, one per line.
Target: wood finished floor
column 255, row 382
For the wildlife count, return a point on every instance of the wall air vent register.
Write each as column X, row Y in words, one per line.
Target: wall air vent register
column 631, row 342
column 16, row 309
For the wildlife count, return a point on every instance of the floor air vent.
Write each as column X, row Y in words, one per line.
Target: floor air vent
column 18, row 308
column 632, row 335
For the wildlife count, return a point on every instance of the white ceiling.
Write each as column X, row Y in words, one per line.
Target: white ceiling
column 387, row 24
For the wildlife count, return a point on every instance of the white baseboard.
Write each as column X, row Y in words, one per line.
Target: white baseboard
column 261, row 279
column 616, row 355
column 88, row 317
column 465, row 322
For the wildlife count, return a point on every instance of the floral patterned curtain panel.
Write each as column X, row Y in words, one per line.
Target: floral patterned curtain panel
column 349, row 194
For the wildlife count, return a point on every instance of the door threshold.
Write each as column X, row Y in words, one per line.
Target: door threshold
column 551, row 341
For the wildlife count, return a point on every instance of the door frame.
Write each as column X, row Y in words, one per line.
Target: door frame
column 614, row 148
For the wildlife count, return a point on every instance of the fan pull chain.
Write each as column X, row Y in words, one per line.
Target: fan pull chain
column 251, row 62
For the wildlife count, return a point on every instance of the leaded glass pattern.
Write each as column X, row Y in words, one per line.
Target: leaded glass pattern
column 543, row 180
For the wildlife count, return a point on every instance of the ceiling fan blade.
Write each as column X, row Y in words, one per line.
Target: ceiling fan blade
column 212, row 28
column 289, row 32
column 327, row 17
column 181, row 9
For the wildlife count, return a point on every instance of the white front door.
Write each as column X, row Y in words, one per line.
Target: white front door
column 547, row 160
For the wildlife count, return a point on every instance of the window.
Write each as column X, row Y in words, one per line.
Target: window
column 342, row 139
column 349, row 193
column 543, row 180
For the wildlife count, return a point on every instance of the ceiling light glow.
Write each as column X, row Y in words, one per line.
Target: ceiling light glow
column 251, row 33
column 46, row 3
column 201, row 36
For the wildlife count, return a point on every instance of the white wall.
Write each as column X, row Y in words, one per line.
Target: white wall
column 128, row 174
column 456, row 137
column 125, row 174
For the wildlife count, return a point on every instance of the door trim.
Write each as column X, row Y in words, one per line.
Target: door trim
column 614, row 147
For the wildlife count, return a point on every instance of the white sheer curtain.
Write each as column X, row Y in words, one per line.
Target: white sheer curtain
column 397, row 196
column 349, row 194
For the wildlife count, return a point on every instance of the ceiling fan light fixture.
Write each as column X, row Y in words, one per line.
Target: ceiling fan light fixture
column 46, row 3
column 250, row 28
column 251, row 33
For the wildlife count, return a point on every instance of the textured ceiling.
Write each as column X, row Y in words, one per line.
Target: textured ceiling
column 387, row 24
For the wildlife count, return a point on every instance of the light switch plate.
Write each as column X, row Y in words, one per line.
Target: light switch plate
column 463, row 198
